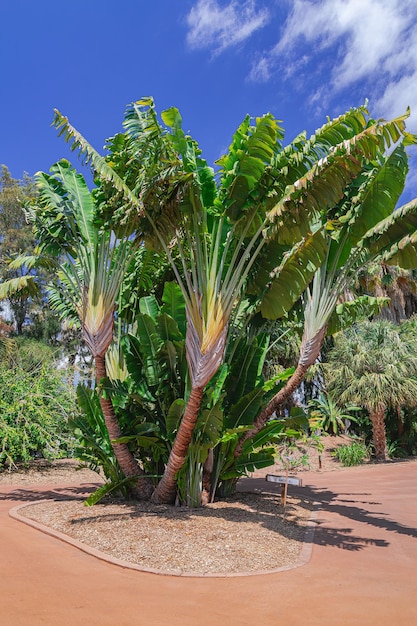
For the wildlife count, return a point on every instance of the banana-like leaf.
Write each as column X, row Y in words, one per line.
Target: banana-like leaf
column 375, row 200
column 108, row 488
column 89, row 403
column 246, row 409
column 31, row 262
column 294, row 274
column 23, row 285
column 322, row 186
column 174, row 305
column 191, row 160
column 272, row 430
column 133, row 357
column 352, row 311
column 209, row 426
column 243, row 167
column 168, row 328
column 394, row 239
column 148, row 305
column 149, row 344
column 115, row 364
column 215, row 389
column 246, row 367
column 90, row 155
column 173, row 417
column 254, row 460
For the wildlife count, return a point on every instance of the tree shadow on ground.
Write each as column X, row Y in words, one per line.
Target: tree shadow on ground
column 32, row 494
column 347, row 505
column 265, row 512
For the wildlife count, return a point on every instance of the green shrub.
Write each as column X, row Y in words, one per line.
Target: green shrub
column 34, row 409
column 351, row 454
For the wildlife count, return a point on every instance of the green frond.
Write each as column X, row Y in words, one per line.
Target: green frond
column 349, row 312
column 322, row 186
column 394, row 239
column 370, row 199
column 24, row 285
column 91, row 156
column 294, row 274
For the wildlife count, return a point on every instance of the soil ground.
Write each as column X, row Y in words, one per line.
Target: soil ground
column 250, row 532
column 362, row 568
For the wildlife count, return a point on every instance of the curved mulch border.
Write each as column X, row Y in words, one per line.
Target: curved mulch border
column 303, row 559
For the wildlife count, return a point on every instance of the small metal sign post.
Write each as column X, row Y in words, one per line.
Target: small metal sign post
column 284, row 481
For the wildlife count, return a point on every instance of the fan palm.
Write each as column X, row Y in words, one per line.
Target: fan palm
column 374, row 365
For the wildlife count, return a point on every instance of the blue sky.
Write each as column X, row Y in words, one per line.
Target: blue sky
column 216, row 60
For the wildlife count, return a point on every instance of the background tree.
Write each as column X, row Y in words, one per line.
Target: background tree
column 374, row 365
column 16, row 238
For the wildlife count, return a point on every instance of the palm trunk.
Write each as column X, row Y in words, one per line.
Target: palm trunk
column 400, row 423
column 377, row 417
column 310, row 350
column 125, row 458
column 166, row 489
column 273, row 405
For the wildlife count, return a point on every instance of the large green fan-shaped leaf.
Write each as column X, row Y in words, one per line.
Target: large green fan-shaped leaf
column 174, row 305
column 245, row 410
column 148, row 305
column 295, row 273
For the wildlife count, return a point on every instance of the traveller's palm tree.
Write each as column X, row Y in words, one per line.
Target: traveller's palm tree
column 92, row 264
column 265, row 215
column 374, row 365
column 365, row 227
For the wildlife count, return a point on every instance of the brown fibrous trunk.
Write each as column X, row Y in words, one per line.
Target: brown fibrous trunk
column 377, row 417
column 310, row 350
column 166, row 489
column 128, row 464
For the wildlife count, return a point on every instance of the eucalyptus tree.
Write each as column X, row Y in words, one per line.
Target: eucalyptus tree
column 365, row 226
column 259, row 225
column 374, row 365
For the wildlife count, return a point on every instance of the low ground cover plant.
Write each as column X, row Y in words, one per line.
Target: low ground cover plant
column 351, row 454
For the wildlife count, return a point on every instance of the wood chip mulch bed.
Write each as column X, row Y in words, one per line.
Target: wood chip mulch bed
column 249, row 533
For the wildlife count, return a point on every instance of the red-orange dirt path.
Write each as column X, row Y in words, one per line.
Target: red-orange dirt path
column 363, row 568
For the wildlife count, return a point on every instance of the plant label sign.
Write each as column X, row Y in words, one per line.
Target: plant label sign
column 290, row 480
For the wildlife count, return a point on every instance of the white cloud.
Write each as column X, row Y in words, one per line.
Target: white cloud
column 367, row 42
column 220, row 27
column 261, row 70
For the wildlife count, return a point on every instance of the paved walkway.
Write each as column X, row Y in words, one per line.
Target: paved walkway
column 363, row 569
